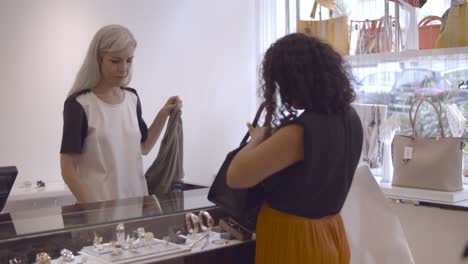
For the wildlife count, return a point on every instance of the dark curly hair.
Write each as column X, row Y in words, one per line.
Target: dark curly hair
column 308, row 74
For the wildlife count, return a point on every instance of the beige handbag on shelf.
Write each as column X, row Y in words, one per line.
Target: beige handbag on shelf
column 428, row 163
column 334, row 30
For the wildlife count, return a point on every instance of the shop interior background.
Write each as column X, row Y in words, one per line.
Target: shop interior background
column 207, row 52
column 204, row 51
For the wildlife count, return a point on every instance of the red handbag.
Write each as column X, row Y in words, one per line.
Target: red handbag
column 428, row 34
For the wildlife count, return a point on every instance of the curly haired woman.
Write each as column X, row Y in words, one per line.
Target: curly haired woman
column 307, row 164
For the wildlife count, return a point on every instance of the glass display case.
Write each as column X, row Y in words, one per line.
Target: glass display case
column 146, row 229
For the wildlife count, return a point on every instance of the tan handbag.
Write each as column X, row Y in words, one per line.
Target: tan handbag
column 428, row 163
column 334, row 31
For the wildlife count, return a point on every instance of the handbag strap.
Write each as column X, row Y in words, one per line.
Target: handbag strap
column 255, row 121
column 425, row 21
column 372, row 27
column 330, row 4
column 414, row 3
column 438, row 111
column 314, row 10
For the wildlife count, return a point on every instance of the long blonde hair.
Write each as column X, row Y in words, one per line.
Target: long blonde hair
column 108, row 39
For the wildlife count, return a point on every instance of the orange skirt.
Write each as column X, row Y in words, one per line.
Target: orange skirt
column 285, row 238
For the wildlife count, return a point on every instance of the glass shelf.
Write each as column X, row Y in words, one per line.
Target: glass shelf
column 448, row 54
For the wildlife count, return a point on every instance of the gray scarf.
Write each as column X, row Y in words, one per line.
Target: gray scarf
column 168, row 166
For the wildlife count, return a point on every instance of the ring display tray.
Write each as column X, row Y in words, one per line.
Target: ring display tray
column 156, row 249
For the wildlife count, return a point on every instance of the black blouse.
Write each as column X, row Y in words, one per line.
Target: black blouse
column 318, row 185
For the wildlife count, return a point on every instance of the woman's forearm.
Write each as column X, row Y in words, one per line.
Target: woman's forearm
column 154, row 132
column 238, row 169
column 78, row 189
column 70, row 175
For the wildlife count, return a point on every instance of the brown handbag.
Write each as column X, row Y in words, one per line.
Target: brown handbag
column 334, row 31
column 428, row 163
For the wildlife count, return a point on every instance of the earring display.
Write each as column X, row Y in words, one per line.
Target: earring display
column 192, row 222
column 97, row 240
column 15, row 261
column 209, row 221
column 43, row 258
column 137, row 250
column 120, row 234
column 142, row 245
column 92, row 233
column 67, row 255
column 141, row 236
column 149, row 237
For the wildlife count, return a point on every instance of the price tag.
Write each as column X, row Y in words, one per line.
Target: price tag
column 408, row 154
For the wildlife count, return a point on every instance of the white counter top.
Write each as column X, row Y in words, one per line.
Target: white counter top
column 55, row 194
column 58, row 194
column 424, row 195
column 52, row 189
column 459, row 198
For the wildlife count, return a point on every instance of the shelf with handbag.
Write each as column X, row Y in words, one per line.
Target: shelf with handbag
column 363, row 30
column 390, row 69
column 386, row 30
column 367, row 29
column 428, row 169
column 365, row 60
column 433, row 31
column 333, row 30
column 428, row 163
column 459, row 198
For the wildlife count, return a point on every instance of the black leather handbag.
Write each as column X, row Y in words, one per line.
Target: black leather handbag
column 241, row 204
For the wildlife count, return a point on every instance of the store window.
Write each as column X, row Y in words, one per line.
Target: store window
column 394, row 55
column 398, row 71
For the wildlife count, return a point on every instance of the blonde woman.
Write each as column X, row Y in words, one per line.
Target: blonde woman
column 104, row 134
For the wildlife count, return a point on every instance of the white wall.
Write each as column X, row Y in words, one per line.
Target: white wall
column 201, row 50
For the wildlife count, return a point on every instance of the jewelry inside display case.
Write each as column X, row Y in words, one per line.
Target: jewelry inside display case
column 134, row 230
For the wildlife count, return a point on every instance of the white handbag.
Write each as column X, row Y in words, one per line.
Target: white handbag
column 428, row 163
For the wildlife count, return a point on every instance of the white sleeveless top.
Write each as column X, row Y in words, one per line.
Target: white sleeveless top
column 110, row 164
